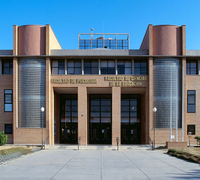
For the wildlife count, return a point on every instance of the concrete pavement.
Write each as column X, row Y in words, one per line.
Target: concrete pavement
column 97, row 165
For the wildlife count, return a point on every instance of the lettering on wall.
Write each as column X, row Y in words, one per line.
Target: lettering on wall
column 125, row 81
column 74, row 81
column 114, row 81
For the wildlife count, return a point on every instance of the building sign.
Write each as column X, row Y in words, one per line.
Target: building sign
column 125, row 81
column 74, row 81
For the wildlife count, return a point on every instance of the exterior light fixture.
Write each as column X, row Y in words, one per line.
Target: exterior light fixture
column 42, row 110
column 154, row 110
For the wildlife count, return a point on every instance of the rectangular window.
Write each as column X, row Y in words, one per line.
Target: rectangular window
column 74, row 67
column 91, row 67
column 107, row 66
column 8, row 129
column 191, row 128
column 191, row 67
column 8, row 100
column 58, row 67
column 140, row 67
column 7, row 67
column 191, row 101
column 124, row 66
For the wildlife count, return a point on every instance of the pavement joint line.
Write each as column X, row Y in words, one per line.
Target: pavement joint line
column 171, row 164
column 25, row 164
column 65, row 165
column 135, row 164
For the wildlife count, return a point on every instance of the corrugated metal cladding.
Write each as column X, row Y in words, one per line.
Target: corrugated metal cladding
column 167, row 92
column 31, row 93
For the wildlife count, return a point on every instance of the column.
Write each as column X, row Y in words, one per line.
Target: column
column 151, row 99
column 82, row 115
column 15, row 98
column 116, row 114
column 49, row 130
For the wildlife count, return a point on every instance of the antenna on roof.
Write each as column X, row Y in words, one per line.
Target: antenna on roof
column 92, row 30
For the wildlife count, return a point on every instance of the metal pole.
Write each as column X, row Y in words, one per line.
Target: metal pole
column 42, row 130
column 155, row 133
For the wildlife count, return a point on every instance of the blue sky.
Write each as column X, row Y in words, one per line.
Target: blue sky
column 70, row 17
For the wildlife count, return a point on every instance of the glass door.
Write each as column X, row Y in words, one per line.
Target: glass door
column 69, row 119
column 130, row 119
column 100, row 119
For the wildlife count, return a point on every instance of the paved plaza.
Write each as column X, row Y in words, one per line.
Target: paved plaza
column 98, row 164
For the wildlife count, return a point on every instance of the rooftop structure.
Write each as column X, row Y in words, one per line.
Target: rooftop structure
column 103, row 40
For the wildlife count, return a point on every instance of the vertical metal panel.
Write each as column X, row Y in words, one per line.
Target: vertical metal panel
column 167, row 90
column 31, row 93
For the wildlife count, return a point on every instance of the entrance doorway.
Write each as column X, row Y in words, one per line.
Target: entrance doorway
column 100, row 119
column 69, row 119
column 130, row 119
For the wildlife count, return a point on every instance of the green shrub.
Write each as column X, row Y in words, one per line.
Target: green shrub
column 3, row 138
column 198, row 139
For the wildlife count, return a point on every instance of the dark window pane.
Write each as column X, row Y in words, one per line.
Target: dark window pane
column 70, row 63
column 191, row 108
column 78, row 71
column 87, row 64
column 6, row 71
column 8, row 91
column 128, row 71
column 94, row 71
column 8, row 107
column 95, row 102
column 136, row 71
column 95, row 108
column 191, row 99
column 87, row 71
column 54, row 63
column 78, row 64
column 61, row 71
column 8, row 129
column 70, row 71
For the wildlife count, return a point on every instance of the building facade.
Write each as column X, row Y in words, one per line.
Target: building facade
column 101, row 92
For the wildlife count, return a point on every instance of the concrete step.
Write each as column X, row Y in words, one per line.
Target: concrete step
column 96, row 147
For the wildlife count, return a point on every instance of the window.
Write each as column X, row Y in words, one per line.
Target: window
column 8, row 129
column 7, row 67
column 122, row 44
column 91, row 67
column 74, row 67
column 124, row 66
column 191, row 128
column 191, row 67
column 191, row 99
column 107, row 66
column 140, row 67
column 8, row 100
column 58, row 67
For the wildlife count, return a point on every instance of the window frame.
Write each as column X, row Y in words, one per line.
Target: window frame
column 5, row 99
column 74, row 67
column 140, row 68
column 191, row 103
column 59, row 60
column 90, row 61
column 10, row 62
column 189, row 62
column 194, row 132
column 124, row 68
column 108, row 60
column 5, row 129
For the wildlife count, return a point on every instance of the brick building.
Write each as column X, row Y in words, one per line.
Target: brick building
column 101, row 91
